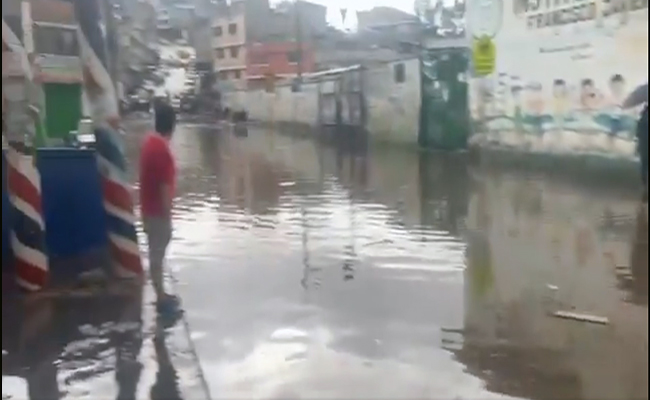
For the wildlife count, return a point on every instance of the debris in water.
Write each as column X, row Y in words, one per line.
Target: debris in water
column 581, row 317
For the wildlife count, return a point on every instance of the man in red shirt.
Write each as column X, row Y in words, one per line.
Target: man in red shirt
column 157, row 184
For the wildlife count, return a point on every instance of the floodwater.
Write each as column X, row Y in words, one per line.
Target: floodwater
column 345, row 270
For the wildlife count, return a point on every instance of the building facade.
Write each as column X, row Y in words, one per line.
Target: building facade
column 229, row 45
column 277, row 61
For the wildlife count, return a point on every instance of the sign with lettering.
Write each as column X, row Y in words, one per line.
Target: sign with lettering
column 484, row 52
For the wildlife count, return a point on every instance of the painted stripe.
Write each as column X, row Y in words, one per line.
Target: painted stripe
column 117, row 195
column 110, row 171
column 33, row 277
column 28, row 232
column 115, row 212
column 126, row 261
column 21, row 187
column 30, row 287
column 121, row 228
column 32, row 256
column 25, row 165
column 27, row 209
column 124, row 244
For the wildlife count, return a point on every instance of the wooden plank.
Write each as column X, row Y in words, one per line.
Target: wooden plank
column 574, row 316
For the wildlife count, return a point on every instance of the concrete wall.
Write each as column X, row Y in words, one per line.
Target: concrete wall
column 552, row 91
column 280, row 106
column 392, row 108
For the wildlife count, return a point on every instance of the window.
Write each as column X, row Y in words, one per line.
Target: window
column 223, row 75
column 57, row 41
column 294, row 57
column 237, row 74
column 218, row 31
column 234, row 51
column 399, row 71
column 232, row 29
column 220, row 54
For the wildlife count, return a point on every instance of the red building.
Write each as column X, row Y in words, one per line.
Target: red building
column 277, row 60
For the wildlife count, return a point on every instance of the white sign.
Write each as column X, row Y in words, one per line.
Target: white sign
column 59, row 69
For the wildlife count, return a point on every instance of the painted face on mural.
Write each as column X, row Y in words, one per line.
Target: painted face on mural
column 559, row 89
column 535, row 99
column 516, row 95
column 589, row 96
column 617, row 88
column 560, row 96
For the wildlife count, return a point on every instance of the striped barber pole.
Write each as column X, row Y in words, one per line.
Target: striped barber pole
column 118, row 200
column 28, row 231
column 118, row 203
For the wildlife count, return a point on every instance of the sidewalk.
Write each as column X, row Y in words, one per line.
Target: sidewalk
column 101, row 342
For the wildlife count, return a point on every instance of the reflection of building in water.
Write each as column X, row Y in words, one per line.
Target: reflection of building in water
column 246, row 179
column 46, row 342
column 536, row 246
column 635, row 278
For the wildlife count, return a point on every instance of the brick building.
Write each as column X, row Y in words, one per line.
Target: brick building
column 278, row 60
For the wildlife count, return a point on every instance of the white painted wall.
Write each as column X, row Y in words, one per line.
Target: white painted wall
column 393, row 108
column 532, row 56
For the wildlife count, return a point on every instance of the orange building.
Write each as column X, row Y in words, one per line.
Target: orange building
column 279, row 60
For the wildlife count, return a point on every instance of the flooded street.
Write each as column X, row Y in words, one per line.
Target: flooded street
column 334, row 271
column 340, row 270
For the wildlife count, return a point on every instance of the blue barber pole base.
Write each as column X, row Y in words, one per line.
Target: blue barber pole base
column 75, row 219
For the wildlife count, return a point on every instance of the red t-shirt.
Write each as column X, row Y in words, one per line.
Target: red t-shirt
column 157, row 168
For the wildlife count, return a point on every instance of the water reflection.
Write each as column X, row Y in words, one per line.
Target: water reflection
column 351, row 270
column 93, row 343
column 332, row 269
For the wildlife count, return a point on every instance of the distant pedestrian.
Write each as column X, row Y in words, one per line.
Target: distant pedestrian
column 157, row 185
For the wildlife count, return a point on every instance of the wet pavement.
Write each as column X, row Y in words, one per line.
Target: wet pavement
column 311, row 270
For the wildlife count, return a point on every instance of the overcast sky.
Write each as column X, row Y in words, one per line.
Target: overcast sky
column 334, row 9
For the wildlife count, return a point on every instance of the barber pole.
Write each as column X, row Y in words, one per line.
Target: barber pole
column 24, row 189
column 28, row 231
column 118, row 203
column 100, row 92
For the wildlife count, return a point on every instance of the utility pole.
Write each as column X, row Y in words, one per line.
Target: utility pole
column 299, row 39
column 112, row 47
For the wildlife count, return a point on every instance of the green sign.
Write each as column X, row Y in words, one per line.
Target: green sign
column 485, row 55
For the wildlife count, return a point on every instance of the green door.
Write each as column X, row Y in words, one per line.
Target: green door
column 62, row 109
column 444, row 116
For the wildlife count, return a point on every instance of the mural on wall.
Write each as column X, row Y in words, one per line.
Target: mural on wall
column 563, row 69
